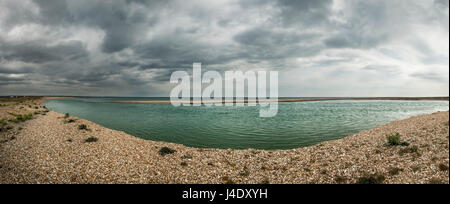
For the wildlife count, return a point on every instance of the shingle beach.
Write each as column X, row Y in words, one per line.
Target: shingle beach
column 53, row 148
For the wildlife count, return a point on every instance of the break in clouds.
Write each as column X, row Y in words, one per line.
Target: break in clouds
column 131, row 47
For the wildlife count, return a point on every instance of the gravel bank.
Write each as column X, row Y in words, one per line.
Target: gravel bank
column 50, row 149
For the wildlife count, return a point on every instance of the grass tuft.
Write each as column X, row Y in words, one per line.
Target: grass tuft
column 340, row 180
column 415, row 168
column 165, row 151
column 404, row 144
column 395, row 171
column 91, row 139
column 82, row 127
column 21, row 118
column 435, row 181
column 245, row 172
column 3, row 123
column 266, row 181
column 394, row 140
column 371, row 179
column 228, row 180
column 186, row 157
column 443, row 167
column 413, row 149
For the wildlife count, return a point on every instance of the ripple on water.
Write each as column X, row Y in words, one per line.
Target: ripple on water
column 296, row 125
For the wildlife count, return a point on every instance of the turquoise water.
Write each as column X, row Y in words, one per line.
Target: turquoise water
column 296, row 125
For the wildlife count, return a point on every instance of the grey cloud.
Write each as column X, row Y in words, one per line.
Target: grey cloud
column 164, row 75
column 266, row 37
column 121, row 20
column 10, row 79
column 350, row 40
column 21, row 70
column 389, row 70
column 367, row 27
column 18, row 14
column 295, row 12
column 54, row 11
column 443, row 3
column 178, row 51
column 259, row 44
column 307, row 12
column 34, row 52
column 432, row 76
column 39, row 40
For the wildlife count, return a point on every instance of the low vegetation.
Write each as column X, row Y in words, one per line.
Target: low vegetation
column 66, row 115
column 415, row 168
column 165, row 151
column 435, row 181
column 394, row 140
column 228, row 180
column 265, row 181
column 395, row 171
column 19, row 100
column 3, row 122
column 21, row 118
column 245, row 172
column 443, row 167
column 186, row 157
column 371, row 179
column 82, row 127
column 340, row 179
column 91, row 139
column 413, row 149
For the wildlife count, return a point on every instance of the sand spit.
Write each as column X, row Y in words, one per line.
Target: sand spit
column 51, row 148
column 284, row 100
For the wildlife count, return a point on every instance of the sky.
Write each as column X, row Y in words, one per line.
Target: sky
column 131, row 47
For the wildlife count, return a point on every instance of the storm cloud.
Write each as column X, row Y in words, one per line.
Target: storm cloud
column 131, row 47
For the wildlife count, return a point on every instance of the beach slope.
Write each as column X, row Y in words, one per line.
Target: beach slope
column 54, row 148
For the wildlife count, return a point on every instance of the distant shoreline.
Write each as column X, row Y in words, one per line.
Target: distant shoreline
column 285, row 100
